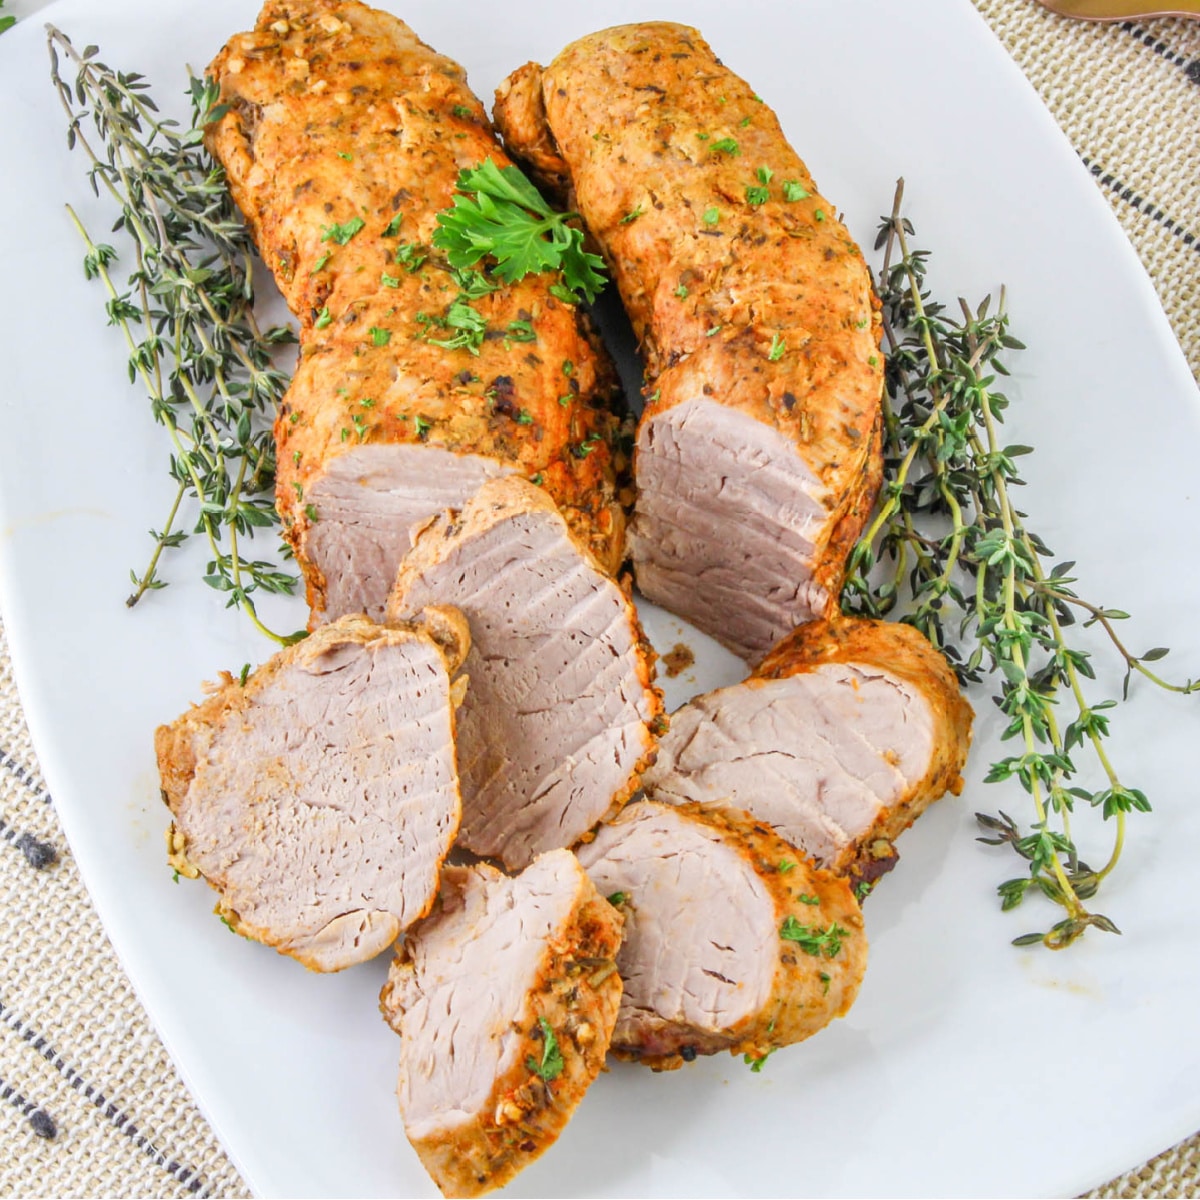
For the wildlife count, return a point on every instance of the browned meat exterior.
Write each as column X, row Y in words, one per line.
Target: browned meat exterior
column 733, row 941
column 505, row 1000
column 344, row 137
column 320, row 797
column 757, row 457
column 556, row 727
column 839, row 741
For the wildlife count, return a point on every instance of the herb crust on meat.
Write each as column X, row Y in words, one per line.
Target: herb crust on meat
column 757, row 458
column 343, row 136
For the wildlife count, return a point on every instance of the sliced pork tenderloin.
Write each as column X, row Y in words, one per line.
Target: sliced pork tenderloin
column 560, row 718
column 320, row 796
column 839, row 741
column 505, row 1000
column 733, row 941
column 342, row 136
column 757, row 456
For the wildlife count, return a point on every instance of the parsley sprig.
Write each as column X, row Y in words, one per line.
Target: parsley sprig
column 499, row 214
column 950, row 550
column 6, row 22
column 187, row 316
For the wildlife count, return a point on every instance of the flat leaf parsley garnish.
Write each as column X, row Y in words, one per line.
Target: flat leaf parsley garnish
column 551, row 1065
column 499, row 214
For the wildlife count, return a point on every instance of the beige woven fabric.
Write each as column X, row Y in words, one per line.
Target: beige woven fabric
column 1127, row 96
column 77, row 1055
column 75, row 1046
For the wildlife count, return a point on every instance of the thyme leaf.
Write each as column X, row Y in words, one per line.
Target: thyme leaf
column 949, row 552
column 187, row 316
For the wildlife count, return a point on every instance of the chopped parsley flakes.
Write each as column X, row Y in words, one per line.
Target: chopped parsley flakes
column 812, row 939
column 342, row 233
column 551, row 1065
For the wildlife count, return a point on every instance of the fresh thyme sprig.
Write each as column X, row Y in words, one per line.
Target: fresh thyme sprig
column 949, row 546
column 187, row 316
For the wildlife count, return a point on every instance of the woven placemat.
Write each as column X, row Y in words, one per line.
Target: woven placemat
column 1127, row 95
column 91, row 1103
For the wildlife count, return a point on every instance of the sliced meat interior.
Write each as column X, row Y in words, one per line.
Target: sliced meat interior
column 343, row 138
column 843, row 736
column 557, row 724
column 757, row 456
column 367, row 501
column 504, row 999
column 728, row 517
column 733, row 941
column 320, row 797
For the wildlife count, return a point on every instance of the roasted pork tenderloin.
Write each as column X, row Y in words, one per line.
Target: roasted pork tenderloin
column 505, row 999
column 561, row 715
column 757, row 457
column 319, row 796
column 733, row 941
column 839, row 741
column 342, row 136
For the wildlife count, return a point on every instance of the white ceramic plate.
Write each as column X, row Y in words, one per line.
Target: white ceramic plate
column 967, row 1067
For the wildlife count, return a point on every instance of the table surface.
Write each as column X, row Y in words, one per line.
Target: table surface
column 93, row 1105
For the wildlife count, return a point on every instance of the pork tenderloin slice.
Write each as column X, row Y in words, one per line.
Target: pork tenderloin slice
column 320, row 797
column 557, row 726
column 733, row 941
column 727, row 520
column 844, row 735
column 476, row 992
column 366, row 501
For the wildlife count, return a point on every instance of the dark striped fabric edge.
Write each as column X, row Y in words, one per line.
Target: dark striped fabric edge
column 185, row 1176
column 37, row 854
column 43, row 1125
column 1190, row 67
column 22, row 776
column 1140, row 204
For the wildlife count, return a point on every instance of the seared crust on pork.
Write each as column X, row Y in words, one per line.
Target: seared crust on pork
column 481, row 1093
column 733, row 941
column 757, row 457
column 319, row 796
column 560, row 720
column 343, row 138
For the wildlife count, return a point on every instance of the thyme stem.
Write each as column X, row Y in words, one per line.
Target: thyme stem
column 950, row 549
column 187, row 317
